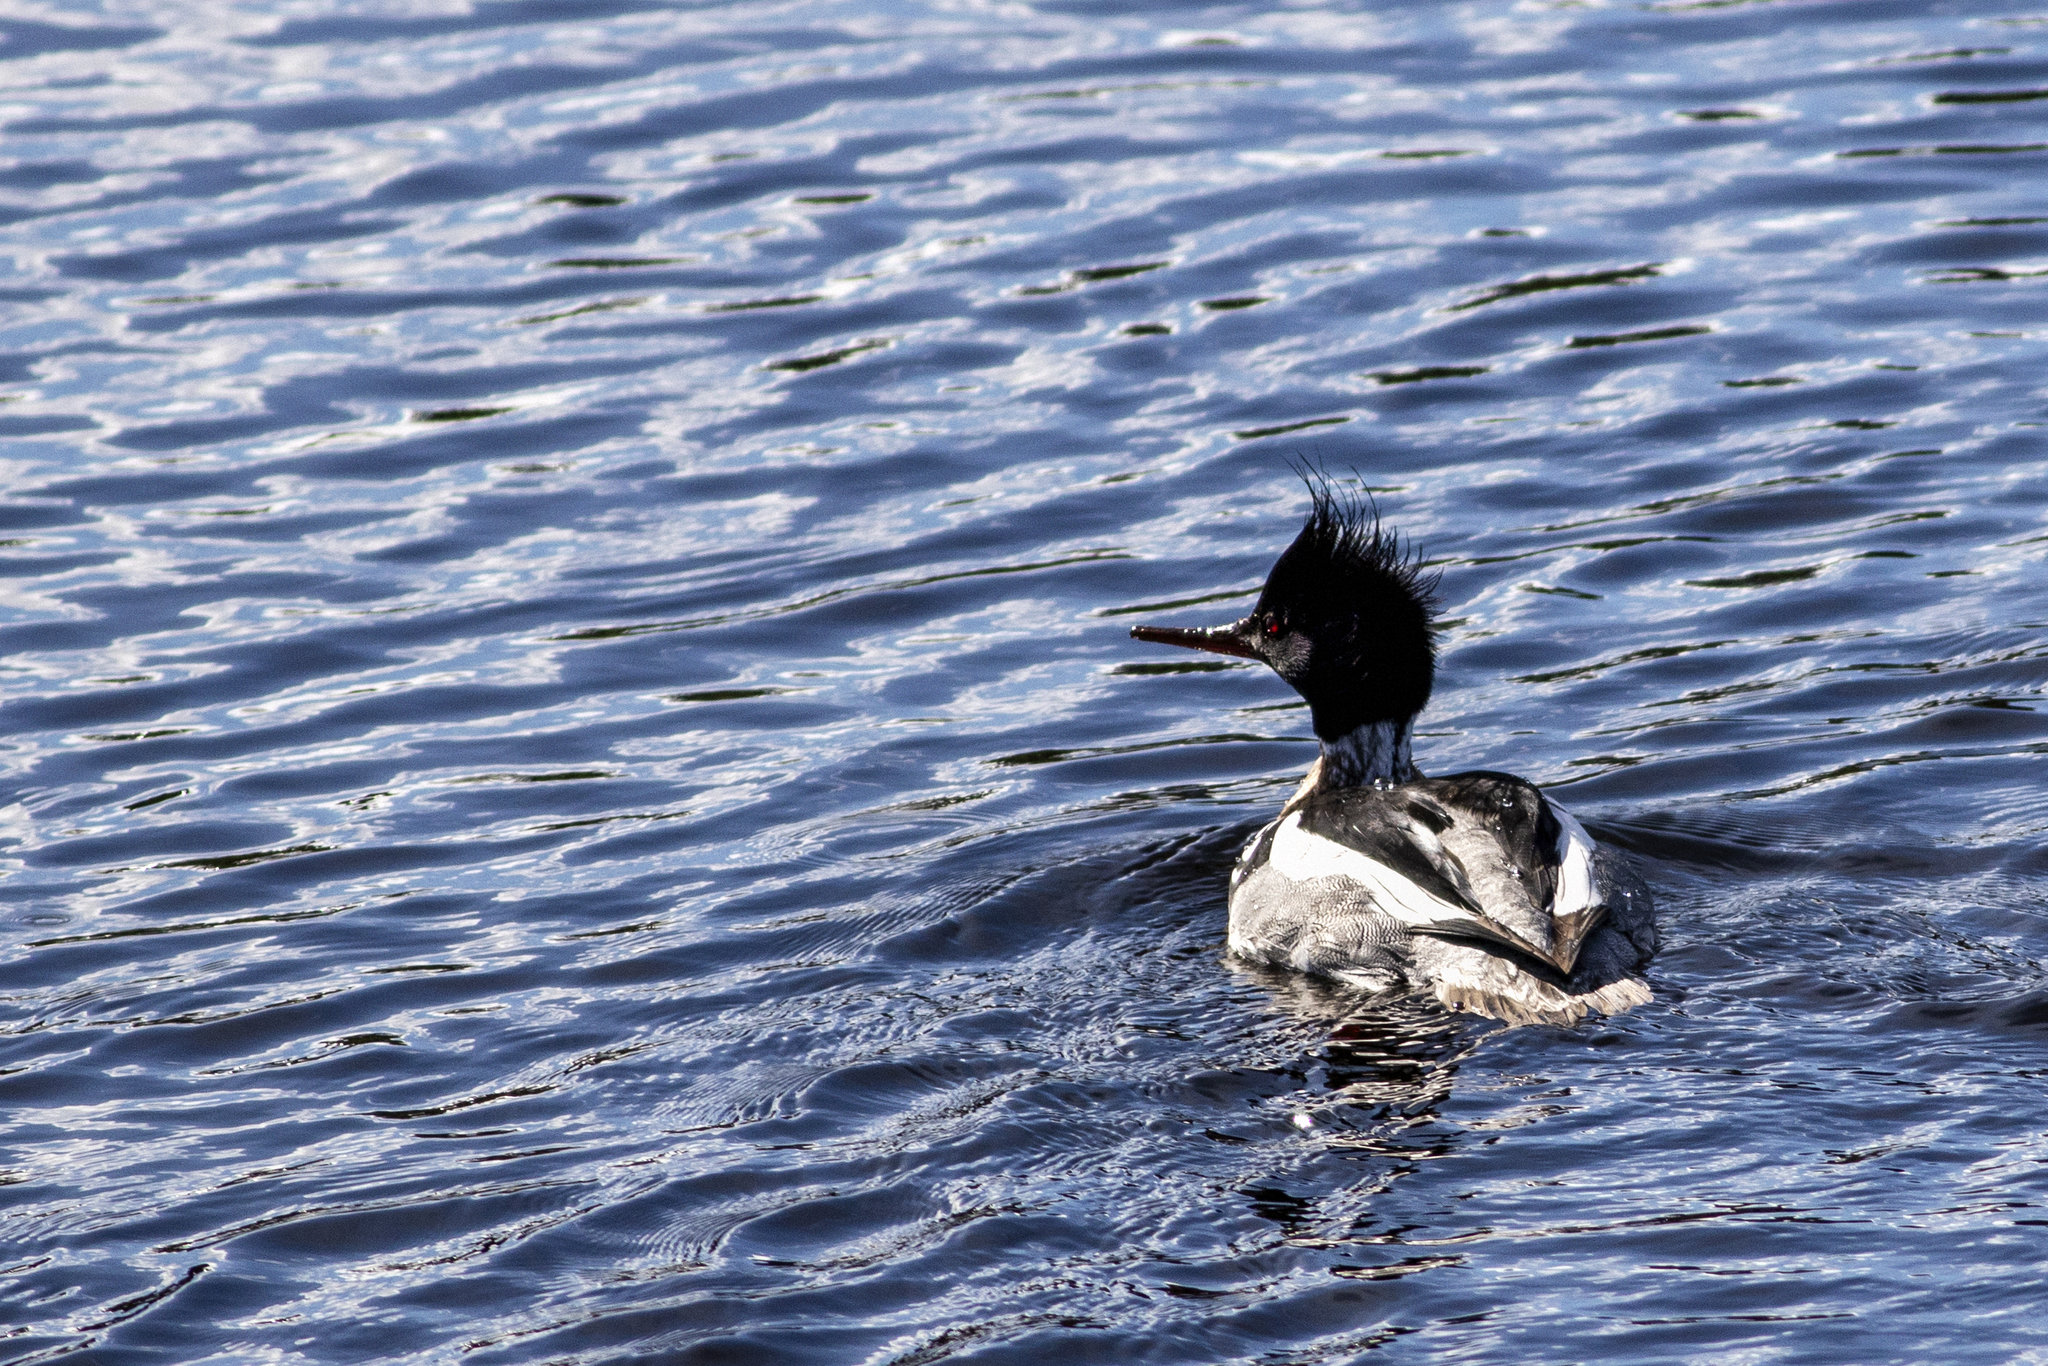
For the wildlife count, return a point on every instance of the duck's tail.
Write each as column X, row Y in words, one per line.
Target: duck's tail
column 1529, row 1001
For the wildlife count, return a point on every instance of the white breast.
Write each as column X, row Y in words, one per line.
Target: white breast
column 1575, row 888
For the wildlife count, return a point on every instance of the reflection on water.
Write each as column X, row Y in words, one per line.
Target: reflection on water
column 1391, row 1057
column 576, row 787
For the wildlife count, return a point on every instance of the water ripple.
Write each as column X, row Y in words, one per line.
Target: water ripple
column 576, row 784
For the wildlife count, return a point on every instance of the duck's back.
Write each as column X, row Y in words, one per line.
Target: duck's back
column 1474, row 885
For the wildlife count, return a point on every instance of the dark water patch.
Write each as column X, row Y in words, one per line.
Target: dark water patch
column 729, row 694
column 1952, row 54
column 1971, row 275
column 1196, row 666
column 157, row 799
column 458, row 414
column 802, row 364
column 1948, row 149
column 619, row 262
column 244, row 860
column 1543, row 284
column 50, row 425
column 1172, row 604
column 1987, row 96
column 566, row 776
column 748, row 305
column 1093, row 275
column 22, row 37
column 1035, row 757
column 580, row 310
column 1428, row 372
column 30, row 566
column 1647, row 335
column 190, row 927
column 488, row 15
column 1258, row 433
column 117, row 737
column 1761, row 578
column 23, row 516
column 1654, row 652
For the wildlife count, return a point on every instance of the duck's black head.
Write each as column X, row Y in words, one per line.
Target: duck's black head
column 1346, row 617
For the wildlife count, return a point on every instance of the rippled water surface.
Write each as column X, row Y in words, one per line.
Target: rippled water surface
column 576, row 786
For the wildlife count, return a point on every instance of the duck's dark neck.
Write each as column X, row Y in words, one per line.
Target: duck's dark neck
column 1374, row 755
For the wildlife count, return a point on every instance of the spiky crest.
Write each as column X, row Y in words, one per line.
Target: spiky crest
column 1355, row 612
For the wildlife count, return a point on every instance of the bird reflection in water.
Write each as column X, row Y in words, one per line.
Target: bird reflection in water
column 1386, row 1062
column 1370, row 1095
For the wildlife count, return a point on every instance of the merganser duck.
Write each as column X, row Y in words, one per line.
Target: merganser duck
column 1475, row 887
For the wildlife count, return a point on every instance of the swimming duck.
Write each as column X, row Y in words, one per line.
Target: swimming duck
column 1475, row 887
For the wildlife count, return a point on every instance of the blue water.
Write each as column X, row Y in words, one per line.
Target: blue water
column 576, row 786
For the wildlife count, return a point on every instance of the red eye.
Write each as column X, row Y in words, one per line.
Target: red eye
column 1272, row 626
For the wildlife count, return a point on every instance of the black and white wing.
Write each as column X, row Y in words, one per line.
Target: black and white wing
column 1475, row 856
